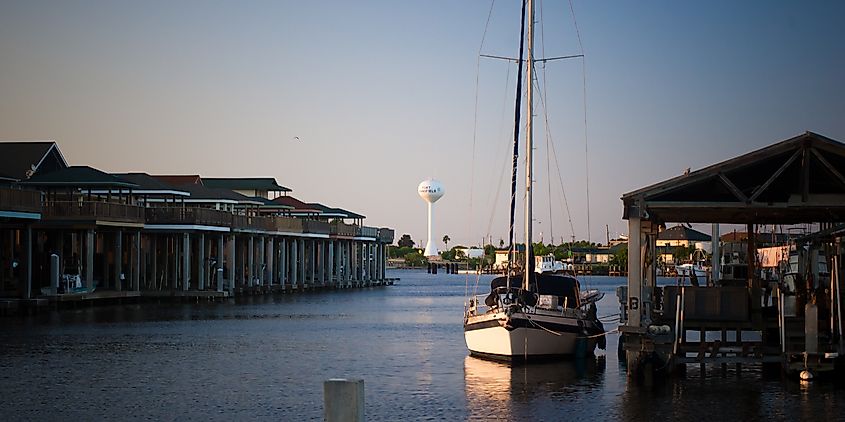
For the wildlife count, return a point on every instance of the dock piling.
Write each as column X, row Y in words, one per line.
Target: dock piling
column 343, row 400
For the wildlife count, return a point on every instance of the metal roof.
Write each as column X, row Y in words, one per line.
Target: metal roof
column 179, row 179
column 244, row 183
column 149, row 184
column 794, row 181
column 335, row 212
column 295, row 204
column 17, row 159
column 683, row 233
column 79, row 177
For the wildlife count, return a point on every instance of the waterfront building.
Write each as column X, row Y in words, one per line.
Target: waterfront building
column 71, row 233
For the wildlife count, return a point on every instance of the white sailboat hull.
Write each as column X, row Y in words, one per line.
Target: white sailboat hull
column 520, row 336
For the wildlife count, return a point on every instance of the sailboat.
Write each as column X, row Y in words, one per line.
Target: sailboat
column 528, row 315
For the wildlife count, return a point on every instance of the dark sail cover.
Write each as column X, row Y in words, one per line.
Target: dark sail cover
column 561, row 285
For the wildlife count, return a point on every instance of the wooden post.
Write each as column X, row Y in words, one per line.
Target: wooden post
column 118, row 261
column 90, row 245
column 294, row 267
column 271, row 261
column 219, row 257
column 283, row 258
column 233, row 268
column 330, row 263
column 186, row 261
column 343, row 400
column 27, row 290
column 250, row 261
column 752, row 258
column 201, row 262
column 136, row 262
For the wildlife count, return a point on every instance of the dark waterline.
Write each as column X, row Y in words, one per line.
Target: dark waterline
column 265, row 359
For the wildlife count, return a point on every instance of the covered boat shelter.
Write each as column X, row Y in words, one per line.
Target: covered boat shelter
column 795, row 181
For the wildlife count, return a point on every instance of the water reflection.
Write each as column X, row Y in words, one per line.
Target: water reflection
column 497, row 390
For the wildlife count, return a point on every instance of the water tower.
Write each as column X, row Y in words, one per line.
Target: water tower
column 430, row 191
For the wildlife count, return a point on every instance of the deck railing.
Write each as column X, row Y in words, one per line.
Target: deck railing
column 193, row 216
column 369, row 231
column 338, row 228
column 287, row 224
column 92, row 210
column 314, row 226
column 20, row 200
column 253, row 222
column 385, row 235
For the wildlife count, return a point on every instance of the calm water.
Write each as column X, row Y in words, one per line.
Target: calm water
column 266, row 360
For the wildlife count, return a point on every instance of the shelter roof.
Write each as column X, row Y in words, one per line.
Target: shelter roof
column 20, row 159
column 295, row 204
column 150, row 184
column 179, row 179
column 79, row 177
column 245, row 183
column 267, row 203
column 201, row 193
column 794, row 181
column 335, row 212
column 683, row 233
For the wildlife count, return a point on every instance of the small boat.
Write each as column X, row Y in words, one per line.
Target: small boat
column 547, row 319
column 547, row 264
column 689, row 270
column 530, row 314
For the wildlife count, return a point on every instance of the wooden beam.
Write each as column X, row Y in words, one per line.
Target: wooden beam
column 836, row 174
column 732, row 187
column 805, row 175
column 774, row 177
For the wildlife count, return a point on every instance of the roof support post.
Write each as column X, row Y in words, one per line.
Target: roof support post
column 634, row 272
column 716, row 258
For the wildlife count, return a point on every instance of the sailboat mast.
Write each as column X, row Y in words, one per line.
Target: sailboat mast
column 529, row 145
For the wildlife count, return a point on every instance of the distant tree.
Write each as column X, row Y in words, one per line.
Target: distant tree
column 446, row 239
column 415, row 259
column 501, row 243
column 540, row 249
column 398, row 252
column 620, row 257
column 405, row 241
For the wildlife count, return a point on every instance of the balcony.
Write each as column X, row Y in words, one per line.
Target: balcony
column 92, row 211
column 385, row 235
column 248, row 222
column 17, row 200
column 287, row 225
column 189, row 216
column 314, row 226
column 369, row 232
column 341, row 229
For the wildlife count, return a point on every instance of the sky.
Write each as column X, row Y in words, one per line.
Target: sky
column 384, row 94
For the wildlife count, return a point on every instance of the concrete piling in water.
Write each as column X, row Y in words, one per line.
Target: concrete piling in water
column 343, row 400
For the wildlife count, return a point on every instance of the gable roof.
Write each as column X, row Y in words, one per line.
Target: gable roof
column 335, row 212
column 151, row 185
column 178, row 179
column 296, row 205
column 683, row 233
column 269, row 204
column 244, row 183
column 79, row 177
column 201, row 193
column 19, row 158
column 793, row 181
